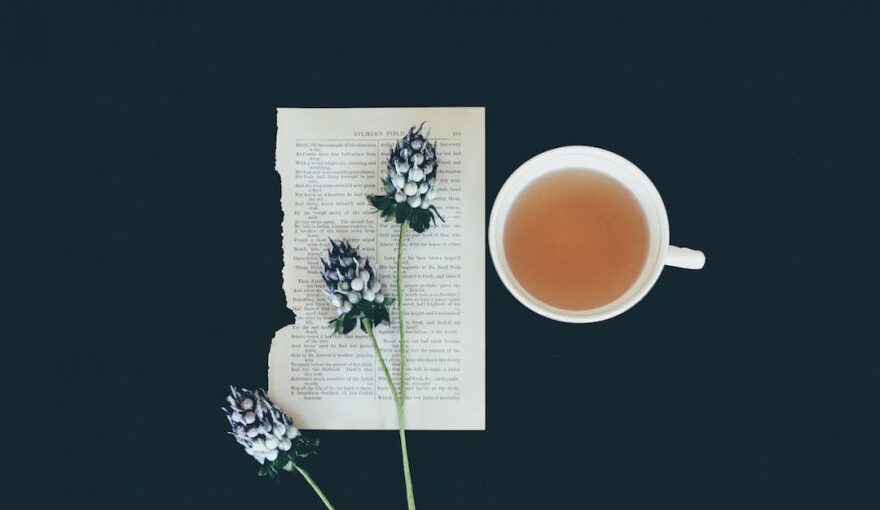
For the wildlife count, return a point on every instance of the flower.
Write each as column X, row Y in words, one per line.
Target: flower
column 409, row 183
column 353, row 287
column 265, row 431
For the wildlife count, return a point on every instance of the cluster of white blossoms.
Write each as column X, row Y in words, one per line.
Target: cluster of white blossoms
column 412, row 170
column 257, row 424
column 349, row 278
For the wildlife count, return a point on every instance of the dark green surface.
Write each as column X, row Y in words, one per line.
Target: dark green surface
column 151, row 262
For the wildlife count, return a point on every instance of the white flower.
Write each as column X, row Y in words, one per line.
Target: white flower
column 411, row 176
column 258, row 425
column 350, row 278
column 347, row 275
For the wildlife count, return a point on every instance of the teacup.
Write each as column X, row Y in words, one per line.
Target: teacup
column 660, row 252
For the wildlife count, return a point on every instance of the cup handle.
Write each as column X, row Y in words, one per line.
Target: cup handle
column 685, row 258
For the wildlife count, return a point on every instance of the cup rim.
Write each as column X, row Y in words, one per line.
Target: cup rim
column 497, row 219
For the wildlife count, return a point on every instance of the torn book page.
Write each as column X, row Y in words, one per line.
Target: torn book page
column 329, row 160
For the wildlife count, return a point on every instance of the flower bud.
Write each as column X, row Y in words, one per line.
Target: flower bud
column 411, row 170
column 350, row 278
column 272, row 431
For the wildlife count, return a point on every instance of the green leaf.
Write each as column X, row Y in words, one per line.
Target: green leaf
column 285, row 461
column 348, row 324
column 304, row 446
column 365, row 307
column 384, row 204
column 269, row 469
column 402, row 213
column 435, row 211
column 419, row 220
column 382, row 314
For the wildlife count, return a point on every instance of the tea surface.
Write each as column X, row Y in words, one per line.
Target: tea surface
column 576, row 239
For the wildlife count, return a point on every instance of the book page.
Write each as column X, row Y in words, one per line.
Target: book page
column 329, row 160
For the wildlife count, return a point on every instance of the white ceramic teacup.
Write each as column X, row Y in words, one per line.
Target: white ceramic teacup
column 660, row 252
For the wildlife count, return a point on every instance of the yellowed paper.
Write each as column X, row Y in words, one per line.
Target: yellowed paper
column 329, row 160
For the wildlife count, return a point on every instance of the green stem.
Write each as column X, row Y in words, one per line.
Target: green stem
column 407, row 478
column 315, row 487
column 400, row 242
column 401, row 406
column 398, row 404
column 368, row 326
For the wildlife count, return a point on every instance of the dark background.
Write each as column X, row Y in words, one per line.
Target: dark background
column 145, row 267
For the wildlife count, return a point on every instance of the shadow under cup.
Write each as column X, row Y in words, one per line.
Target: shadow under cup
column 593, row 160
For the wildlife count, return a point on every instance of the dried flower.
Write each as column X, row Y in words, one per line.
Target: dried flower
column 409, row 183
column 265, row 431
column 353, row 287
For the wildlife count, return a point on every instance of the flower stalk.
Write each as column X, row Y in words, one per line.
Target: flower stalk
column 399, row 405
column 401, row 408
column 314, row 485
column 410, row 191
column 400, row 241
column 268, row 435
